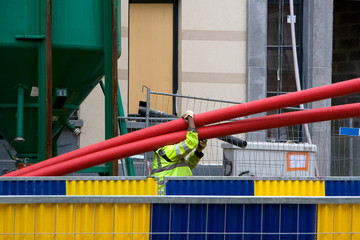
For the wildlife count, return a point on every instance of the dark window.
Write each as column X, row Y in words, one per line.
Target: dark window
column 280, row 64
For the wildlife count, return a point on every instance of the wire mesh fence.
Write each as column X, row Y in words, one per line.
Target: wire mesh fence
column 276, row 152
column 171, row 217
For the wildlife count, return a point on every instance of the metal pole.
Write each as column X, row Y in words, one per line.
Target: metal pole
column 351, row 153
column 146, row 154
column 110, row 55
column 45, row 83
column 48, row 79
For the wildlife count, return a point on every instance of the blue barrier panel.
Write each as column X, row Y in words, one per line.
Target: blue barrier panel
column 217, row 225
column 271, row 212
column 342, row 188
column 197, row 223
column 160, row 222
column 33, row 187
column 298, row 221
column 179, row 221
column 233, row 221
column 209, row 187
column 252, row 225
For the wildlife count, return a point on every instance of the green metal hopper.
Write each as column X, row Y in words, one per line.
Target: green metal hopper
column 78, row 63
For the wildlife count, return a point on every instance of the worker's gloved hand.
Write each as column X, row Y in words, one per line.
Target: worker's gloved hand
column 187, row 114
column 202, row 144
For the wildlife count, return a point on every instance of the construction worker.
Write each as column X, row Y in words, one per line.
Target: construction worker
column 179, row 159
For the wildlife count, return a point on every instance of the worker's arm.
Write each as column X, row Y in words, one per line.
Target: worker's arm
column 180, row 150
column 191, row 122
column 194, row 157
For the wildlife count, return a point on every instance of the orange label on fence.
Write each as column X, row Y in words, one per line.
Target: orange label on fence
column 297, row 161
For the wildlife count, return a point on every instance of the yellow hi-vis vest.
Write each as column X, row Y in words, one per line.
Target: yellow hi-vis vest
column 176, row 160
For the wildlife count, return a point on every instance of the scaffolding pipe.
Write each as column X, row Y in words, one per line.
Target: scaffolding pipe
column 201, row 119
column 241, row 126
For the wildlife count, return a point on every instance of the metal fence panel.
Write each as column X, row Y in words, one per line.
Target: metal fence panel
column 342, row 188
column 123, row 223
column 289, row 188
column 78, row 186
column 32, row 187
column 174, row 217
column 111, row 187
column 338, row 221
column 7, row 216
column 233, row 221
column 104, row 221
column 79, row 221
column 213, row 186
column 65, row 219
column 45, row 218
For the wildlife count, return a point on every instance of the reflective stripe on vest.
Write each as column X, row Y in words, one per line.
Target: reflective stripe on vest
column 178, row 152
column 170, row 167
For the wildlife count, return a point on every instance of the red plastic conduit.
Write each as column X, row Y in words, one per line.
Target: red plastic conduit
column 201, row 119
column 241, row 126
column 263, row 105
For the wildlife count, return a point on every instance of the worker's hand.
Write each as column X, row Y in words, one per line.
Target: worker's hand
column 187, row 114
column 202, row 144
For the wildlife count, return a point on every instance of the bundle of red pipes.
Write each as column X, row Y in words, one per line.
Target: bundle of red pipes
column 151, row 138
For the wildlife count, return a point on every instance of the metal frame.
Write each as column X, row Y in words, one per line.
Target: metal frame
column 180, row 199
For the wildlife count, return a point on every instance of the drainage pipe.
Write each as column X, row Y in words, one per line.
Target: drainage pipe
column 296, row 65
column 241, row 126
column 201, row 119
column 20, row 116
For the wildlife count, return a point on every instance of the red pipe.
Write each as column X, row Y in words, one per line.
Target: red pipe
column 241, row 126
column 201, row 119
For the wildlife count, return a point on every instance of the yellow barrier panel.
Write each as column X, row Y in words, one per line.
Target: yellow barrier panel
column 338, row 221
column 356, row 222
column 104, row 221
column 289, row 188
column 123, row 225
column 111, row 187
column 142, row 220
column 45, row 221
column 79, row 221
column 65, row 221
column 6, row 217
column 85, row 222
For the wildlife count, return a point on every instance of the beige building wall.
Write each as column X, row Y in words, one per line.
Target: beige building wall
column 213, row 49
column 212, row 58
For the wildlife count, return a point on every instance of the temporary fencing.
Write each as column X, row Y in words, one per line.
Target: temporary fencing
column 194, row 208
column 172, row 217
column 273, row 152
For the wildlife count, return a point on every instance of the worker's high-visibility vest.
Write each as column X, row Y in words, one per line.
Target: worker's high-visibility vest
column 176, row 160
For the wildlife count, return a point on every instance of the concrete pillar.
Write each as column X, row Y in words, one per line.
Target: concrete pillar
column 256, row 58
column 318, row 39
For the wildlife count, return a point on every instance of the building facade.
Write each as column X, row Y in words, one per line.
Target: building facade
column 237, row 50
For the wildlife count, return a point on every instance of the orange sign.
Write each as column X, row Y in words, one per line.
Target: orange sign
column 297, row 161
